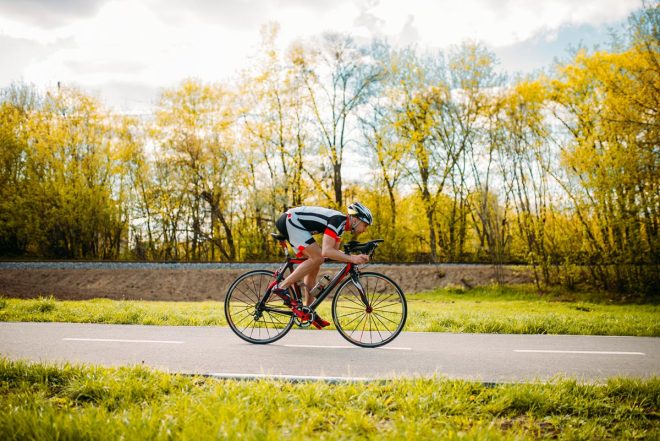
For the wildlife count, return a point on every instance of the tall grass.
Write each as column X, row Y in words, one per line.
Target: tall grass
column 71, row 402
column 518, row 310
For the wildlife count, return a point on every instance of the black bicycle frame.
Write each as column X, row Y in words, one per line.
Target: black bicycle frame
column 349, row 269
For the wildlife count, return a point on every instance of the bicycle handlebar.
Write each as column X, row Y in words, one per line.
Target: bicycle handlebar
column 367, row 248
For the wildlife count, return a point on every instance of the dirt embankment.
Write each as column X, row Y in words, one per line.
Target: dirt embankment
column 212, row 284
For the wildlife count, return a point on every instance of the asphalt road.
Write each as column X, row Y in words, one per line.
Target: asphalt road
column 491, row 358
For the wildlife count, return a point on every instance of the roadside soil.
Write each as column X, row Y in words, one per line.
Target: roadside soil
column 212, row 284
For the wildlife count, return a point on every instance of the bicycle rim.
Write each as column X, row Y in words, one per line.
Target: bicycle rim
column 375, row 326
column 241, row 301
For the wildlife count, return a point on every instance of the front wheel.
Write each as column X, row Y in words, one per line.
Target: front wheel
column 246, row 315
column 376, row 322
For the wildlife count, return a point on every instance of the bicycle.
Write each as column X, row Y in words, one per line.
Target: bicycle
column 368, row 308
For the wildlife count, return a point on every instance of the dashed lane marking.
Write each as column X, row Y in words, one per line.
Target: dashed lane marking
column 117, row 340
column 346, row 347
column 549, row 351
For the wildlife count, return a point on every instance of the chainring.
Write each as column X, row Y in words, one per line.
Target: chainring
column 306, row 320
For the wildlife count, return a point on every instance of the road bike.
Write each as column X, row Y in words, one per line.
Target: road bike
column 368, row 308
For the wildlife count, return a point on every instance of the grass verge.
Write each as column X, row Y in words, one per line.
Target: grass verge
column 513, row 310
column 80, row 402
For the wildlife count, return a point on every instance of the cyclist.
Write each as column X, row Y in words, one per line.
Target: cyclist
column 299, row 224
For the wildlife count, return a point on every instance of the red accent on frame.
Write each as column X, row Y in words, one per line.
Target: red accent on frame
column 300, row 251
column 346, row 271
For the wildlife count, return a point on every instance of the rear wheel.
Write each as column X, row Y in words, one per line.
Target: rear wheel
column 375, row 323
column 246, row 319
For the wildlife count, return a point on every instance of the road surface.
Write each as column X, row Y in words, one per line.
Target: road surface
column 302, row 354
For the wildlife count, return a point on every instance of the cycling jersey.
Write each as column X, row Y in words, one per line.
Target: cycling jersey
column 300, row 223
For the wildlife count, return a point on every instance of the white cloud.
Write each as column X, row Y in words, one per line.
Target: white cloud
column 49, row 13
column 498, row 23
column 160, row 42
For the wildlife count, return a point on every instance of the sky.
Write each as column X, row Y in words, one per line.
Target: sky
column 126, row 52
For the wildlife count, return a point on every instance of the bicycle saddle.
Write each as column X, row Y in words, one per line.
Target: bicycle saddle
column 278, row 237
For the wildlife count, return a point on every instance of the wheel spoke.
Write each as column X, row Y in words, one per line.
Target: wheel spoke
column 378, row 317
column 372, row 325
column 352, row 313
column 354, row 300
column 384, row 299
column 388, row 305
column 356, row 311
column 389, row 320
column 353, row 321
column 241, row 309
column 351, row 308
column 358, row 325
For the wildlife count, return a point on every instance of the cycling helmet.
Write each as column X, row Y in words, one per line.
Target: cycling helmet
column 361, row 212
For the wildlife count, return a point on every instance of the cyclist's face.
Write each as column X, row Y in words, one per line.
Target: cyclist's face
column 361, row 227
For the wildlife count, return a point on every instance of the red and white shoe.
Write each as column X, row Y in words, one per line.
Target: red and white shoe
column 283, row 293
column 319, row 323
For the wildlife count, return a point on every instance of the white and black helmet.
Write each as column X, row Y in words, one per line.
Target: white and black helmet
column 361, row 212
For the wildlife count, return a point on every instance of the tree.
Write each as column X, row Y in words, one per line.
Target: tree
column 524, row 165
column 193, row 129
column 607, row 102
column 16, row 104
column 424, row 126
column 475, row 88
column 381, row 145
column 338, row 77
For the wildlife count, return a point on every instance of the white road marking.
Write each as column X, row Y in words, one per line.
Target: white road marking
column 344, row 347
column 548, row 351
column 116, row 340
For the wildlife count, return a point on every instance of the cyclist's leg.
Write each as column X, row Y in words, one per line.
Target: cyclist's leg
column 309, row 266
column 310, row 281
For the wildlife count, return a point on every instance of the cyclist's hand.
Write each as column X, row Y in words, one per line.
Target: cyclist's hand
column 359, row 259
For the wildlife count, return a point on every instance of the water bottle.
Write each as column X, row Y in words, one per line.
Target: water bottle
column 322, row 283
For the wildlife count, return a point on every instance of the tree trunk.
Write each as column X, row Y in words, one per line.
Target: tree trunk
column 430, row 216
column 336, row 178
column 214, row 202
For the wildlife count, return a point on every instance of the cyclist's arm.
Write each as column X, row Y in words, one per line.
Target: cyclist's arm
column 330, row 251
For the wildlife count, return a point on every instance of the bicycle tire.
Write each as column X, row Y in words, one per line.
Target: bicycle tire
column 240, row 309
column 381, row 325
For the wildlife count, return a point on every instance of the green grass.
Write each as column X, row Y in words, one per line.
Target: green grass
column 113, row 312
column 515, row 310
column 72, row 402
column 520, row 310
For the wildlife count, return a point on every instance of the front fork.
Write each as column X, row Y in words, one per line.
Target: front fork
column 355, row 278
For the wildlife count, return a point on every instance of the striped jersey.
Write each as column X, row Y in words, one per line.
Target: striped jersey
column 317, row 220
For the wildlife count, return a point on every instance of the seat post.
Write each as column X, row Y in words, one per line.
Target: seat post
column 285, row 248
column 282, row 241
